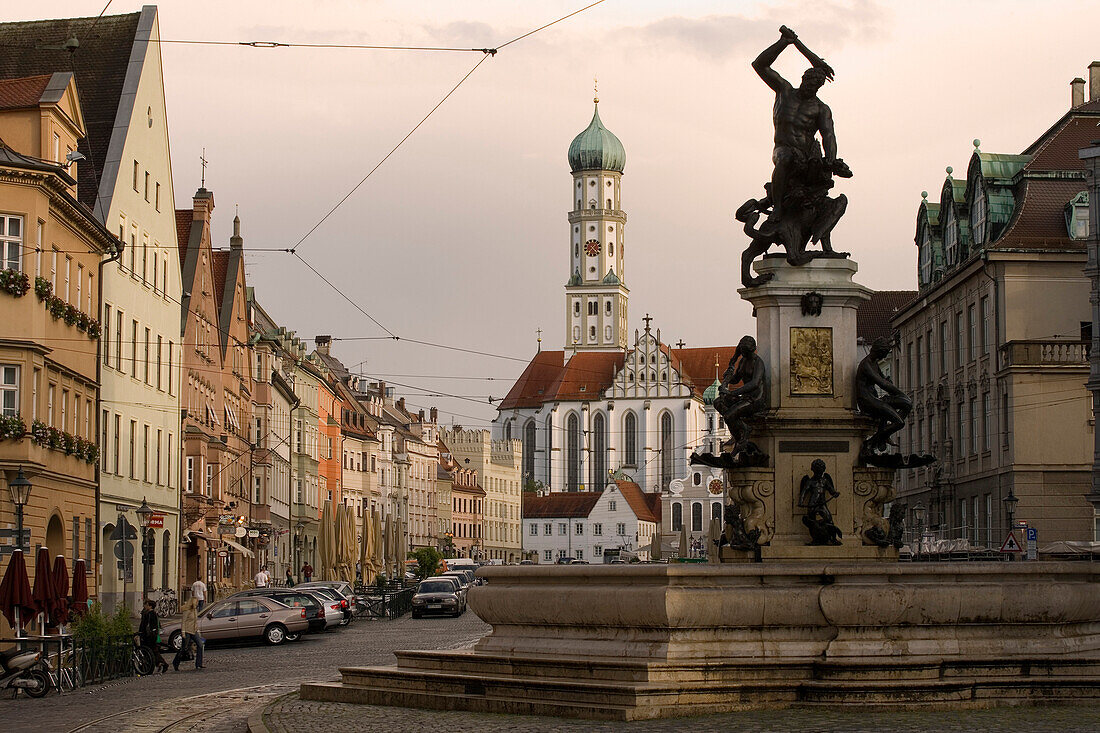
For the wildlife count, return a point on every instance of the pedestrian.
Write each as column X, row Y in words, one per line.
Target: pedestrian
column 198, row 592
column 307, row 571
column 289, row 578
column 149, row 634
column 262, row 578
column 190, row 630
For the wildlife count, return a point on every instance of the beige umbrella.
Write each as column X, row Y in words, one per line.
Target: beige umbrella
column 387, row 546
column 712, row 540
column 403, row 544
column 655, row 545
column 327, row 543
column 683, row 539
column 365, row 545
column 349, row 529
column 378, row 552
column 345, row 556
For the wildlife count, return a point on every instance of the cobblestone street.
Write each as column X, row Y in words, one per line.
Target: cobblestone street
column 157, row 701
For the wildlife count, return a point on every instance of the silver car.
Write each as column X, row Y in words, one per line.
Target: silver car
column 235, row 618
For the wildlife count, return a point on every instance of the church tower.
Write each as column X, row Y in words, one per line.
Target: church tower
column 596, row 296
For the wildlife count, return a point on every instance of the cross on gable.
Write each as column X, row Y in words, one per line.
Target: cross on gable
column 680, row 344
column 647, row 319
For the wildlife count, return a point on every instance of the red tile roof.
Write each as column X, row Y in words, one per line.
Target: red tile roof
column 640, row 502
column 532, row 387
column 22, row 92
column 586, row 375
column 572, row 504
column 33, row 47
column 697, row 365
column 219, row 265
column 1057, row 150
column 873, row 316
column 1039, row 221
column 184, row 217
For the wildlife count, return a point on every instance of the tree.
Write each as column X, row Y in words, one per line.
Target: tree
column 427, row 562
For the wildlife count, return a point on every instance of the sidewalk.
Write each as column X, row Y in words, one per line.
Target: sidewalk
column 287, row 714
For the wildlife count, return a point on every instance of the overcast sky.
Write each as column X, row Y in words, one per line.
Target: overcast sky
column 461, row 238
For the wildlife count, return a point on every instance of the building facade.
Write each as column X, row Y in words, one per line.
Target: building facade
column 497, row 463
column 52, row 249
column 992, row 350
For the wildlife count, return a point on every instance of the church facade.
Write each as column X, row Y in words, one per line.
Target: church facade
column 606, row 408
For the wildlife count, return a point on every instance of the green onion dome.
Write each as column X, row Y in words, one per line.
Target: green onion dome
column 596, row 149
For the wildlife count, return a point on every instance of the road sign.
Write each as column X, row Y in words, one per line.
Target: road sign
column 1032, row 543
column 1010, row 544
column 124, row 549
column 157, row 521
column 1032, row 534
column 123, row 530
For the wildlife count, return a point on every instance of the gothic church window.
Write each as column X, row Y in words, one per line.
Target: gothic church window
column 666, row 450
column 573, row 452
column 529, row 450
column 630, row 438
column 599, row 453
column 677, row 516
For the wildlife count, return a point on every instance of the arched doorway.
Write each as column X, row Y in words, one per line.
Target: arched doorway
column 55, row 537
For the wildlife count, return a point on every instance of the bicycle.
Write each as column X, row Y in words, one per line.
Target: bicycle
column 65, row 674
column 143, row 660
column 167, row 604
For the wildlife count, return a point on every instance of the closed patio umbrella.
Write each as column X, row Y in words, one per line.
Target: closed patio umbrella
column 327, row 543
column 387, row 546
column 16, row 600
column 378, row 551
column 684, row 540
column 80, row 588
column 61, row 581
column 365, row 546
column 341, row 534
column 712, row 540
column 655, row 546
column 45, row 590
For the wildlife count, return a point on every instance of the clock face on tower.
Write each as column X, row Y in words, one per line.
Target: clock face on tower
column 592, row 247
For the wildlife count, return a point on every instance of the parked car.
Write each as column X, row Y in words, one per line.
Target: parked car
column 565, row 561
column 358, row 603
column 467, row 574
column 314, row 605
column 244, row 617
column 438, row 595
column 336, row 601
column 460, row 576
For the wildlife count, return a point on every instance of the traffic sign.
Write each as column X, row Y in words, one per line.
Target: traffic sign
column 1032, row 534
column 1010, row 544
column 123, row 530
column 124, row 549
column 1032, row 543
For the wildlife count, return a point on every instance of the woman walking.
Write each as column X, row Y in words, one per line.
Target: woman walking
column 190, row 629
column 149, row 633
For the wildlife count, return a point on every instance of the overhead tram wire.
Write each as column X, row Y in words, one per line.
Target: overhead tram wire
column 354, row 46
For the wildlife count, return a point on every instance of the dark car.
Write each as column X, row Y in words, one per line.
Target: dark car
column 334, row 597
column 438, row 595
column 315, row 611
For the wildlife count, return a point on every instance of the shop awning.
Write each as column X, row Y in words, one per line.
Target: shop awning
column 239, row 547
column 203, row 536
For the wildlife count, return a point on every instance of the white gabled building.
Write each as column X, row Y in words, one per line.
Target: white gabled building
column 125, row 178
column 595, row 527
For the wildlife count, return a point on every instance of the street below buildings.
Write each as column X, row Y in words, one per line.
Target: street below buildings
column 257, row 673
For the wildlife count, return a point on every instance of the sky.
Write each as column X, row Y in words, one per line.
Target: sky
column 461, row 238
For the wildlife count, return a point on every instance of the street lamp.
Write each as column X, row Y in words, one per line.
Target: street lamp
column 1010, row 503
column 145, row 517
column 919, row 516
column 20, row 488
column 299, row 529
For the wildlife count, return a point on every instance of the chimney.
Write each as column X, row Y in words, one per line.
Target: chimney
column 322, row 343
column 203, row 203
column 236, row 241
column 420, row 417
column 1094, row 81
column 382, row 389
column 1076, row 92
column 434, row 416
column 401, row 404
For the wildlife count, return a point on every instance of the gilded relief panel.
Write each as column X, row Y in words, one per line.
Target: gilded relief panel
column 811, row 361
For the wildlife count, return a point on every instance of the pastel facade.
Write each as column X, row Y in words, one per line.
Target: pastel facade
column 497, row 463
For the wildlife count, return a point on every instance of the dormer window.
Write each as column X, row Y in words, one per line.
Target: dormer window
column 978, row 215
column 1077, row 216
column 925, row 256
column 951, row 236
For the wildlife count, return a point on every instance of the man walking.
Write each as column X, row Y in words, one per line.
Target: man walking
column 198, row 592
column 262, row 578
column 307, row 571
column 190, row 629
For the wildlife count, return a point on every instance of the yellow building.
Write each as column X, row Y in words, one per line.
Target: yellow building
column 53, row 249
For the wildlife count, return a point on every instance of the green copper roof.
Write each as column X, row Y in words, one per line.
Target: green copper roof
column 1001, row 165
column 575, row 278
column 711, row 392
column 611, row 278
column 596, row 149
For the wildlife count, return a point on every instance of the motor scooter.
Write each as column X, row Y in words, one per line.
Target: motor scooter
column 23, row 669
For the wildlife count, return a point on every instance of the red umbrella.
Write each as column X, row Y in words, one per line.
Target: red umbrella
column 80, row 588
column 45, row 591
column 61, row 584
column 16, row 601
